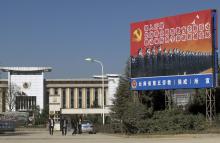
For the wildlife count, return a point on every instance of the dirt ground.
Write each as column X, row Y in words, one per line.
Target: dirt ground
column 44, row 137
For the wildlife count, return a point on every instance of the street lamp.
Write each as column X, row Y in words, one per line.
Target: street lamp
column 103, row 98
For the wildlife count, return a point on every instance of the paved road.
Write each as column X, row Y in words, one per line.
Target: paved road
column 43, row 137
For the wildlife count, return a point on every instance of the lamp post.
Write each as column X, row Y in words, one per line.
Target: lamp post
column 103, row 96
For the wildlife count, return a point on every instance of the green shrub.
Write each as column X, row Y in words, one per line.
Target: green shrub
column 174, row 121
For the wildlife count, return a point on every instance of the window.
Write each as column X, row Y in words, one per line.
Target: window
column 33, row 101
column 4, row 99
column 88, row 98
column 30, row 103
column 56, row 91
column 17, row 101
column 96, row 98
column 57, row 116
column 25, row 103
column 72, row 98
column 48, row 93
column 64, row 98
column 105, row 93
column 80, row 98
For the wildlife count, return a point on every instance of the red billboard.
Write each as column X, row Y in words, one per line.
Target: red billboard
column 175, row 45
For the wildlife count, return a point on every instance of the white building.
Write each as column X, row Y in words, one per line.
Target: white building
column 81, row 96
column 63, row 96
column 28, row 84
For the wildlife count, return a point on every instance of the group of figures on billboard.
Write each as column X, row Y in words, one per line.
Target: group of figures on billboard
column 163, row 62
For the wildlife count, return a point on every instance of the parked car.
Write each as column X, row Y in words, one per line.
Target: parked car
column 7, row 126
column 88, row 127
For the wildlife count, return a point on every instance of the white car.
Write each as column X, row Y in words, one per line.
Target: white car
column 87, row 127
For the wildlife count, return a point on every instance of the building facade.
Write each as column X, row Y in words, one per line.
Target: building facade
column 62, row 96
column 3, row 93
column 25, row 87
column 80, row 96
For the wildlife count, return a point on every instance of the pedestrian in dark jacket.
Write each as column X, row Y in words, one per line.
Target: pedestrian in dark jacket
column 64, row 126
column 80, row 126
column 51, row 124
column 74, row 126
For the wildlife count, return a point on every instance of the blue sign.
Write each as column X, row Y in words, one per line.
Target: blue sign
column 172, row 82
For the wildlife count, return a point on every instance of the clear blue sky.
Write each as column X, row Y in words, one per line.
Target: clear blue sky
column 61, row 33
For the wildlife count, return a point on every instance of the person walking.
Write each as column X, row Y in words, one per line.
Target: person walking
column 80, row 126
column 74, row 127
column 51, row 125
column 64, row 126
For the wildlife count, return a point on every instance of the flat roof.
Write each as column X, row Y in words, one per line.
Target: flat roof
column 26, row 69
column 106, row 76
column 79, row 79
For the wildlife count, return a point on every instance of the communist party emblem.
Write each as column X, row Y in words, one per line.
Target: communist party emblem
column 133, row 84
column 137, row 35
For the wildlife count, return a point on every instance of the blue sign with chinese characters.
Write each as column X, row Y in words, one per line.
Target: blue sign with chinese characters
column 172, row 82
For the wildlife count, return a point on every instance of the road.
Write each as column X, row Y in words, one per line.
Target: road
column 43, row 137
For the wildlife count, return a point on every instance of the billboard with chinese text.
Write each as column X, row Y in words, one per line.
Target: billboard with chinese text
column 174, row 52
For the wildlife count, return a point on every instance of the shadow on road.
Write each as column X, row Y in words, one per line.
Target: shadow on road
column 15, row 133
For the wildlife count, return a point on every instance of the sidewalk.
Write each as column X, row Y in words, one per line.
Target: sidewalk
column 44, row 137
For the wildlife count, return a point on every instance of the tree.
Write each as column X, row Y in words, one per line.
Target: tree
column 10, row 98
column 144, row 112
column 198, row 103
column 127, row 107
column 134, row 116
column 45, row 113
column 122, row 96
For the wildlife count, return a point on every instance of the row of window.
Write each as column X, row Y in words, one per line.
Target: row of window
column 88, row 94
column 77, row 82
column 25, row 102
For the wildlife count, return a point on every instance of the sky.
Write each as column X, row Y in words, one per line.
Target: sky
column 62, row 33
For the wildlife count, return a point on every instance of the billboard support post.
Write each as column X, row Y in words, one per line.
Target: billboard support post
column 168, row 99
column 210, row 106
column 135, row 97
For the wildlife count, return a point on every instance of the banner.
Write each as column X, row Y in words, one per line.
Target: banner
column 173, row 46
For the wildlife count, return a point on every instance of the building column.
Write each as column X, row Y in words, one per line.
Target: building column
column 61, row 97
column 83, row 97
column 107, row 100
column 92, row 96
column 20, row 103
column 67, row 97
column 75, row 97
column 51, row 91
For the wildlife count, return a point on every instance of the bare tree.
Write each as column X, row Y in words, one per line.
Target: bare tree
column 10, row 99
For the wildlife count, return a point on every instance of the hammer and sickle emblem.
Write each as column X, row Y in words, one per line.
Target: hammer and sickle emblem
column 134, row 84
column 137, row 35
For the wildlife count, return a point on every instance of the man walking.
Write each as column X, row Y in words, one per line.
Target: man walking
column 74, row 127
column 80, row 126
column 51, row 125
column 64, row 126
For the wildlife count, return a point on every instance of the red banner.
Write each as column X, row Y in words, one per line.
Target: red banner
column 182, row 33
